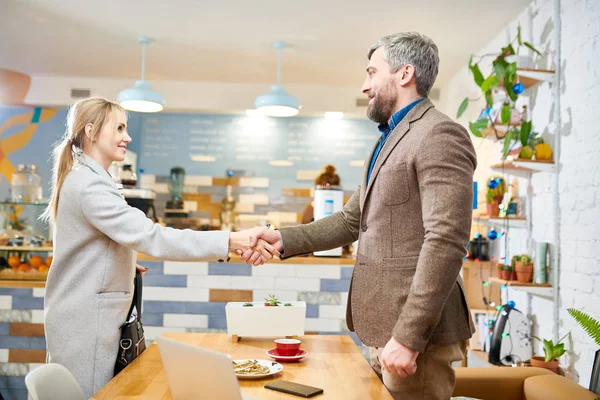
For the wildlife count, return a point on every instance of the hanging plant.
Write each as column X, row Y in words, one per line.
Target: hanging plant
column 503, row 78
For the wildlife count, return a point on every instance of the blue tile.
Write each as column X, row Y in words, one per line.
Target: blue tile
column 28, row 303
column 154, row 267
column 4, row 328
column 237, row 269
column 15, row 394
column 206, row 308
column 217, row 321
column 151, row 319
column 16, row 292
column 312, row 311
column 22, row 342
column 335, row 285
column 347, row 272
column 162, row 307
column 166, row 280
column 12, row 382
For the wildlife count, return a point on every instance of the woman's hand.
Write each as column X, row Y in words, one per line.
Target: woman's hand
column 142, row 270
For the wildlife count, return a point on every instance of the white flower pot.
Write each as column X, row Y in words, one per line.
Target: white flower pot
column 265, row 321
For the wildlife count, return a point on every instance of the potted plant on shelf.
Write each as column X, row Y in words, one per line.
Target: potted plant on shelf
column 524, row 268
column 592, row 328
column 552, row 352
column 500, row 270
column 492, row 204
column 507, row 272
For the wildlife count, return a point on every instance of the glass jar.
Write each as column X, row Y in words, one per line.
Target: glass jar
column 176, row 183
column 26, row 185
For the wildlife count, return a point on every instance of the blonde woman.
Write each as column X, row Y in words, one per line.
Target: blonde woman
column 96, row 235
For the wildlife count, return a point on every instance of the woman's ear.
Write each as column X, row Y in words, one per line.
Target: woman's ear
column 88, row 131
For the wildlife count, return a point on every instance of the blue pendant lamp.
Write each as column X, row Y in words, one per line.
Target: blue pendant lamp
column 141, row 97
column 278, row 102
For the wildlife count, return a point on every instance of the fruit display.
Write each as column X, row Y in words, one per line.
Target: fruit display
column 543, row 152
column 24, row 265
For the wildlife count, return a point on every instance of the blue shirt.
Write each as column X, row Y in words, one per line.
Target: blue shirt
column 388, row 128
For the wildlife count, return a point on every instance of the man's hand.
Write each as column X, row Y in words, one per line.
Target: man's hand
column 265, row 238
column 397, row 359
column 248, row 241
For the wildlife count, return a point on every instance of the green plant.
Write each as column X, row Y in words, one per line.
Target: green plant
column 553, row 351
column 248, row 305
column 503, row 76
column 589, row 324
column 525, row 259
column 514, row 259
column 500, row 267
column 272, row 301
column 489, row 196
column 509, row 268
column 287, row 305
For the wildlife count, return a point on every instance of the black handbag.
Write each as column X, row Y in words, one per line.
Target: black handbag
column 132, row 342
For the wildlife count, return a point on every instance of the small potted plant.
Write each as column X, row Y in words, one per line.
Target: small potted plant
column 271, row 301
column 507, row 272
column 552, row 352
column 492, row 204
column 500, row 270
column 524, row 268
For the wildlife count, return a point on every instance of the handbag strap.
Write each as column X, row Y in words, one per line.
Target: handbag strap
column 137, row 296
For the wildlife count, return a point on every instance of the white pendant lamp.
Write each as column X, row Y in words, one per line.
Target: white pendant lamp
column 278, row 102
column 141, row 97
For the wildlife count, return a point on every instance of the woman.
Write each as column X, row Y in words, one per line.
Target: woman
column 96, row 235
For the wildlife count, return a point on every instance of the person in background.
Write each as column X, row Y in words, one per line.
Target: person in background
column 96, row 236
column 412, row 216
column 326, row 178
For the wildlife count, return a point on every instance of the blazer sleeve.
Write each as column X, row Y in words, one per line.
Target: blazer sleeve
column 445, row 165
column 105, row 209
column 327, row 233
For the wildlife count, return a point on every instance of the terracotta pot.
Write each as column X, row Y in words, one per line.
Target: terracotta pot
column 541, row 362
column 499, row 273
column 524, row 272
column 506, row 275
column 492, row 209
column 513, row 275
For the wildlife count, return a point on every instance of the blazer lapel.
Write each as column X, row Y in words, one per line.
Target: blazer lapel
column 399, row 132
column 363, row 186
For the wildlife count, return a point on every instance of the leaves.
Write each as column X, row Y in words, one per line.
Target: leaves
column 529, row 46
column 519, row 35
column 491, row 82
column 553, row 351
column 525, row 131
column 488, row 98
column 477, row 75
column 477, row 126
column 500, row 68
column 508, row 141
column 508, row 50
column 589, row 324
column 506, row 114
column 462, row 107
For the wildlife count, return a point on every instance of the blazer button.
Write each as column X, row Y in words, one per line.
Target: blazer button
column 364, row 228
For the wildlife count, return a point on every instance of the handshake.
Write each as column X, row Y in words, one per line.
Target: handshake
column 257, row 245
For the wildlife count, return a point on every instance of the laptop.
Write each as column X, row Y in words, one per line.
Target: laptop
column 197, row 373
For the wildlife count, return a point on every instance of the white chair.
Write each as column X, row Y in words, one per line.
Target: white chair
column 51, row 382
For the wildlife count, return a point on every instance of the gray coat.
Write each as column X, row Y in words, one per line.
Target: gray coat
column 90, row 284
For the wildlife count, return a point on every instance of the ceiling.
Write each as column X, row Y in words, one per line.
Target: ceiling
column 230, row 40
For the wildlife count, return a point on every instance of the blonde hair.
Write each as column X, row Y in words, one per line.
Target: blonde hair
column 96, row 111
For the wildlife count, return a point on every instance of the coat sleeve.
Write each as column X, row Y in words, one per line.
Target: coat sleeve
column 105, row 209
column 445, row 167
column 327, row 233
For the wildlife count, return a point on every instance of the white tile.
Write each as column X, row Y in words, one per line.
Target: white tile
column 175, row 294
column 185, row 268
column 301, row 284
column 282, row 295
column 306, row 175
column 37, row 316
column 39, row 292
column 152, row 332
column 318, row 271
column 274, row 270
column 33, row 366
column 345, row 298
column 327, row 311
column 185, row 321
column 249, row 181
column 160, row 187
column 210, row 281
column 197, row 180
column 3, row 355
column 322, row 325
column 5, row 302
column 244, row 208
column 190, row 205
column 283, row 217
column 147, row 181
column 262, row 199
column 252, row 282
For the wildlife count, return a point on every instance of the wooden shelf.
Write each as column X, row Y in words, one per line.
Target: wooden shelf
column 530, row 77
column 478, row 264
column 42, row 249
column 539, row 289
column 513, row 221
column 520, row 165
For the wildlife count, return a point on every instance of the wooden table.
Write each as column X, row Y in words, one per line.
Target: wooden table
column 333, row 363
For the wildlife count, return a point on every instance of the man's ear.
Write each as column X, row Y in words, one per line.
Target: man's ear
column 406, row 74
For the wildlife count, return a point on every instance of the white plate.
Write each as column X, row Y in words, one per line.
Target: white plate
column 274, row 368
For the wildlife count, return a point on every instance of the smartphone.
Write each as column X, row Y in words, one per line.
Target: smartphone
column 294, row 388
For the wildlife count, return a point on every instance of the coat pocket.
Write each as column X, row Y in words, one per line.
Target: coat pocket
column 114, row 295
column 392, row 184
column 398, row 275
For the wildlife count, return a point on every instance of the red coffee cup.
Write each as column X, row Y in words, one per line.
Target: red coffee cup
column 287, row 347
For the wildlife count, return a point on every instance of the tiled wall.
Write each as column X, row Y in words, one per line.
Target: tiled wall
column 181, row 297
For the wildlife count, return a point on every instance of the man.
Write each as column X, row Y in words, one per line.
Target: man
column 412, row 217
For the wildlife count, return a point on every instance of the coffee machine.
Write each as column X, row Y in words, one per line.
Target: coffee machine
column 328, row 200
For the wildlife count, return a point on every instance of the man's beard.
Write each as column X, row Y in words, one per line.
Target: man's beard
column 382, row 107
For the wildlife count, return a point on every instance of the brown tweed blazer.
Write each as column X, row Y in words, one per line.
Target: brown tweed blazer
column 413, row 221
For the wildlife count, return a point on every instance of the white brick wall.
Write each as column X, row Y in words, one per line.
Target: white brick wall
column 579, row 166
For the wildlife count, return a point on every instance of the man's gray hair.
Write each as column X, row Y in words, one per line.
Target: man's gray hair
column 415, row 49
